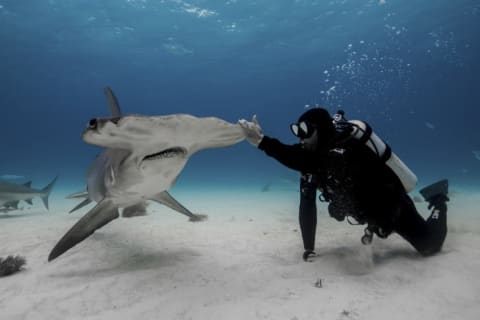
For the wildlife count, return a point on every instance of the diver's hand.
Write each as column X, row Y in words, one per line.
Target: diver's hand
column 308, row 255
column 253, row 131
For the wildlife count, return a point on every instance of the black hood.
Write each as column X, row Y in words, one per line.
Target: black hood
column 321, row 119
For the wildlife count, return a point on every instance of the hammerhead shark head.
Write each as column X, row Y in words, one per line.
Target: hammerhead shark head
column 11, row 194
column 143, row 157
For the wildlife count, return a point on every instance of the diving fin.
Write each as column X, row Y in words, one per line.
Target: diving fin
column 434, row 190
column 436, row 194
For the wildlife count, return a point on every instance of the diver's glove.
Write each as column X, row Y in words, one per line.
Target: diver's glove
column 252, row 130
column 308, row 254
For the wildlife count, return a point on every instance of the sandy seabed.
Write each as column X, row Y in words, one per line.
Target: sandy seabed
column 244, row 262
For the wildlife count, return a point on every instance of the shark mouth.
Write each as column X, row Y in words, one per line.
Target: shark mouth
column 167, row 153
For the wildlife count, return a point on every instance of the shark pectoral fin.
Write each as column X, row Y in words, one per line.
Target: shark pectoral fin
column 166, row 199
column 81, row 205
column 76, row 195
column 100, row 215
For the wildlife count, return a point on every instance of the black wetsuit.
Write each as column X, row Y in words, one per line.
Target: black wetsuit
column 357, row 183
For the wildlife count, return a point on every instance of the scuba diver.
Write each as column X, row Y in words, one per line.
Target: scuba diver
column 359, row 177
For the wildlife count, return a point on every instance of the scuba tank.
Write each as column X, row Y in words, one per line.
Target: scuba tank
column 363, row 132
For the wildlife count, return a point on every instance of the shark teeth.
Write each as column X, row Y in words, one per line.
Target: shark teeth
column 165, row 154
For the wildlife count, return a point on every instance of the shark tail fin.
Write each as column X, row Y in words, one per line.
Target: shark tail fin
column 46, row 192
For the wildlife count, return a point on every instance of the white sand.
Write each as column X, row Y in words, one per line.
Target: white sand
column 243, row 263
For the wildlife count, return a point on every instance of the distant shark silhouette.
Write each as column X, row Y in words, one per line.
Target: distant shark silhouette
column 143, row 157
column 11, row 194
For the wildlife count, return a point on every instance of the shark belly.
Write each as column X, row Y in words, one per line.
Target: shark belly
column 15, row 196
column 142, row 183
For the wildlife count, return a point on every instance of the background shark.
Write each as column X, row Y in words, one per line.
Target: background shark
column 11, row 194
column 143, row 157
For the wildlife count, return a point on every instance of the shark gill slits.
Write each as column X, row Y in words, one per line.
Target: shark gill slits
column 165, row 154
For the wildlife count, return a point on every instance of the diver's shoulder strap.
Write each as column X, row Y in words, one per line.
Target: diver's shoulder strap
column 386, row 154
column 365, row 135
column 362, row 131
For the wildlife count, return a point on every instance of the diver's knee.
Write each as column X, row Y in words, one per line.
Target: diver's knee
column 308, row 191
column 430, row 249
column 429, row 252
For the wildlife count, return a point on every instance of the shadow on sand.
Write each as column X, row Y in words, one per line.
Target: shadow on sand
column 20, row 214
column 361, row 260
column 106, row 253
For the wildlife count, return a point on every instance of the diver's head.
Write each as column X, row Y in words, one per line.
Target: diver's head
column 314, row 128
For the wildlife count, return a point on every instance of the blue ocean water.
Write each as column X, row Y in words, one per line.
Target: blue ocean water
column 409, row 68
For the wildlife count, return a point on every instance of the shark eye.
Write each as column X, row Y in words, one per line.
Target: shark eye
column 92, row 124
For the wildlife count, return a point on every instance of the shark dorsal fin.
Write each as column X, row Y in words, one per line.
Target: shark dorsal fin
column 113, row 104
column 28, row 184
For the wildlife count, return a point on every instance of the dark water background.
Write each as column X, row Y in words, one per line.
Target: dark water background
column 409, row 68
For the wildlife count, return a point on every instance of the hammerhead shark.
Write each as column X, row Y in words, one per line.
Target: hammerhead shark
column 142, row 159
column 11, row 194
